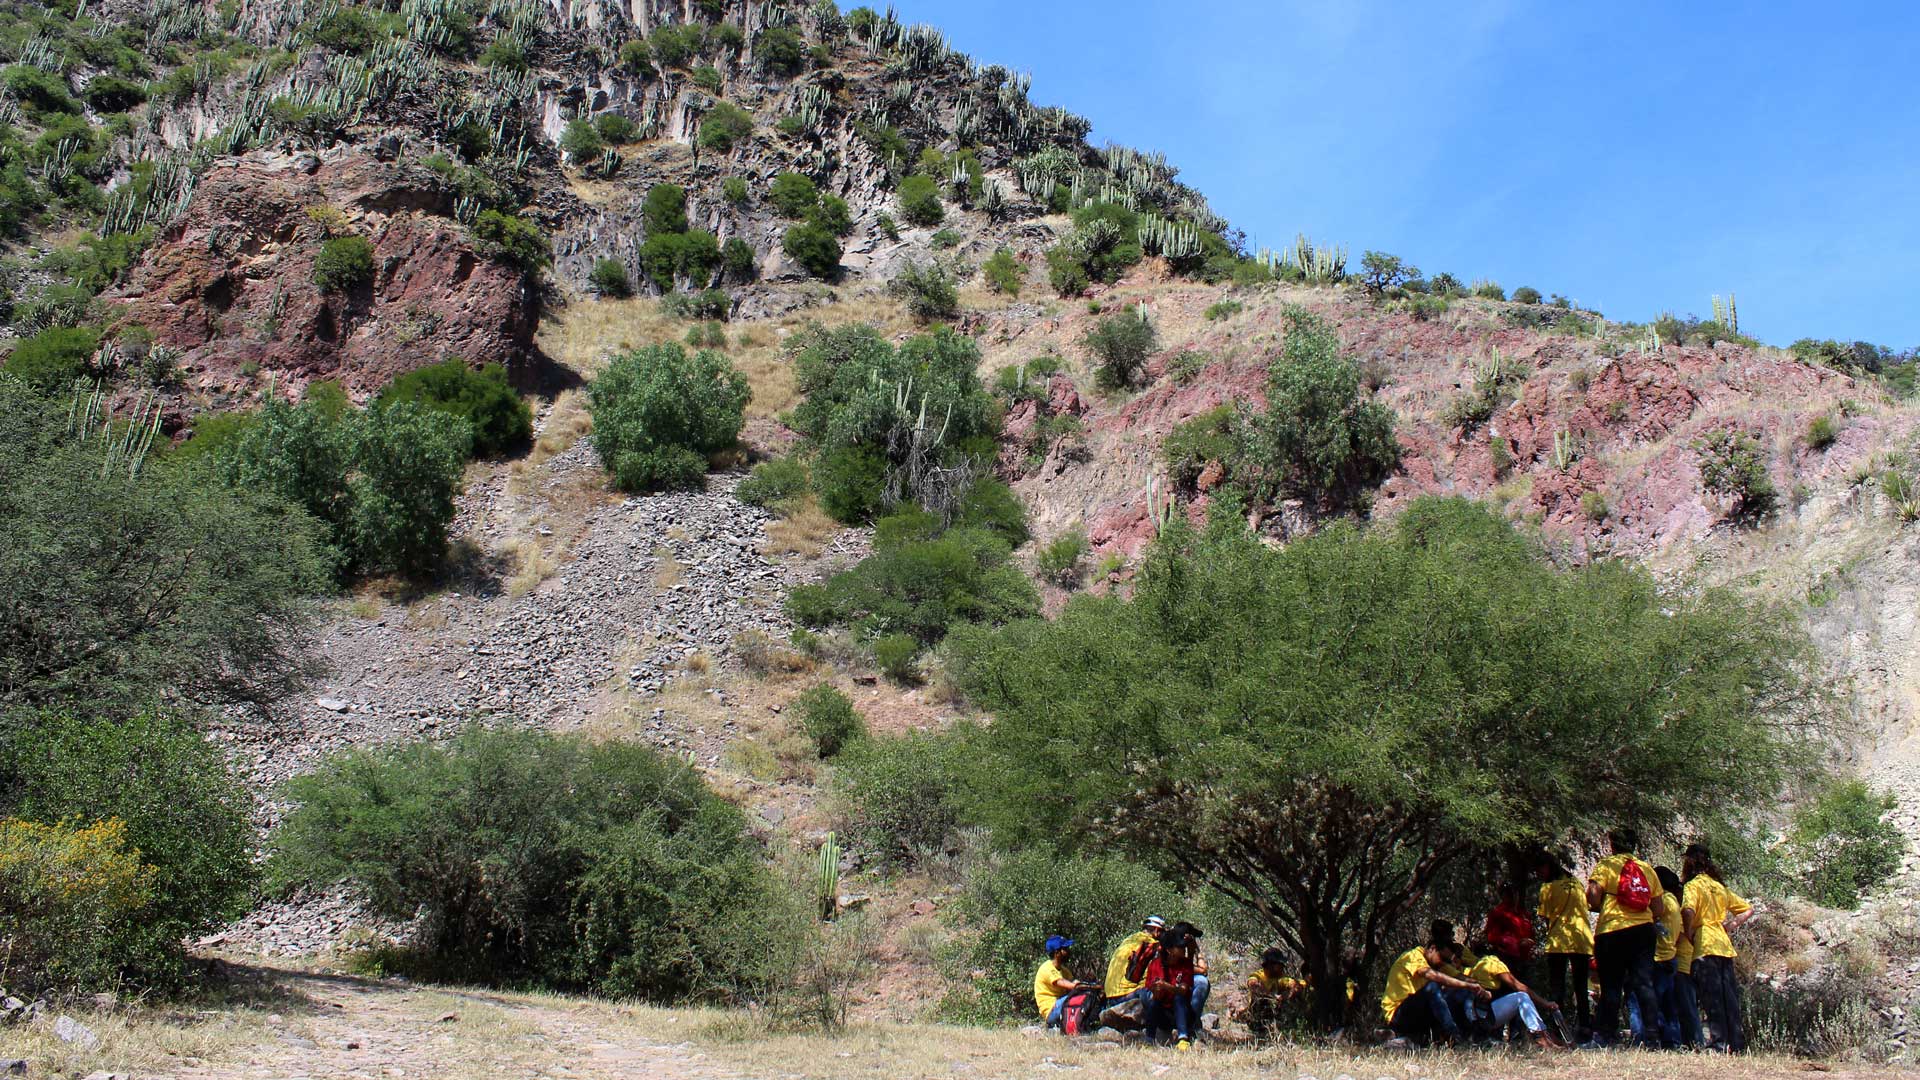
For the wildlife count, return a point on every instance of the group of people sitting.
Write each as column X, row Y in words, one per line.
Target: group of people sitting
column 1660, row 947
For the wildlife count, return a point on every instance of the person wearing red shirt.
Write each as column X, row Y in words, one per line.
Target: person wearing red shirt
column 1170, row 982
column 1510, row 927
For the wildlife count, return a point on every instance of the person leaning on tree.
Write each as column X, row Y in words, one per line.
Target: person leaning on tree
column 1624, row 889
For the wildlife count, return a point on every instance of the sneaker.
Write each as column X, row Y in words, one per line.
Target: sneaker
column 1183, row 1044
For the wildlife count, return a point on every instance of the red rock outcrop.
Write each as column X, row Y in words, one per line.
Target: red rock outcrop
column 230, row 284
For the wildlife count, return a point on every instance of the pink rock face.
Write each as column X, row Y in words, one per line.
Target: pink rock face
column 230, row 284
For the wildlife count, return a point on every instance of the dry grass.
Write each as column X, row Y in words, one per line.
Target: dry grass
column 805, row 530
column 699, row 663
column 585, row 333
column 669, row 573
column 364, row 607
column 531, row 564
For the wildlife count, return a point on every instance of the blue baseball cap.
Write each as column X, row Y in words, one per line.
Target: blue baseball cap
column 1056, row 943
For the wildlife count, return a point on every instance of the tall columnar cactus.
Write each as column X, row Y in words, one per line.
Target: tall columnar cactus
column 1725, row 313
column 1566, row 451
column 827, row 881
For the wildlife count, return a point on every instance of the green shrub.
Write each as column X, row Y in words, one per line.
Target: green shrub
column 76, row 898
column 664, row 210
column 709, row 304
column 212, row 603
column 40, row 92
column 780, row 50
column 903, row 796
column 671, row 46
column 737, row 258
column 1120, row 345
column 1822, row 431
column 581, row 141
column 944, row 240
column 928, row 289
column 849, row 481
column 504, row 53
column 1594, row 505
column 1321, row 438
column 1733, row 464
column 609, row 278
column 814, row 248
column 615, row 128
column 382, row 481
column 1225, row 309
column 919, row 199
column 920, row 584
column 347, row 30
column 53, row 358
column 1840, row 846
column 499, row 419
column 1489, row 290
column 895, row 654
column 1204, row 438
column 774, row 485
column 112, row 94
column 793, row 195
column 537, row 859
column 666, row 258
column 1012, row 905
column 1063, row 559
column 1003, row 272
column 708, row 78
column 832, row 215
column 734, row 191
column 724, row 125
column 184, row 813
column 637, row 57
column 512, row 239
column 828, row 718
column 658, row 413
column 1526, row 294
column 707, row 335
column 345, row 263
column 888, row 227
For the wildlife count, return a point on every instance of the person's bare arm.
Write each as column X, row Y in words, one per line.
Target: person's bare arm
column 1689, row 922
column 1518, row 987
column 1444, row 979
column 1735, row 922
column 1596, row 896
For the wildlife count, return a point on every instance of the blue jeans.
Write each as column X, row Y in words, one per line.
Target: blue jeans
column 1058, row 1016
column 1505, row 1009
column 1665, row 974
column 1178, row 1014
column 1201, row 988
column 1427, row 1013
column 1686, row 1005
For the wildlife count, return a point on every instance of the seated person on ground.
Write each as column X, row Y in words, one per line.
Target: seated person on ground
column 1201, row 987
column 1053, row 982
column 1269, row 990
column 1169, row 981
column 1511, row 997
column 1509, row 930
column 1420, row 998
column 1119, row 983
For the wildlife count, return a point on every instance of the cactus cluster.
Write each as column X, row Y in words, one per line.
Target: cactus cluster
column 39, row 51
column 1566, row 451
column 1317, row 265
column 156, row 203
column 811, row 107
column 1726, row 313
column 123, row 448
column 827, row 879
column 1177, row 240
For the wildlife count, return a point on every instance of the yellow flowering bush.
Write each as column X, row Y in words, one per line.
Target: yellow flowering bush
column 71, row 902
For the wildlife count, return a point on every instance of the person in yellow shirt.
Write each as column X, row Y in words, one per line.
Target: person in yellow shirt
column 1674, row 1002
column 1269, row 990
column 1118, row 985
column 1623, row 940
column 1052, row 982
column 1710, row 910
column 1420, row 999
column 1569, row 941
column 1512, row 999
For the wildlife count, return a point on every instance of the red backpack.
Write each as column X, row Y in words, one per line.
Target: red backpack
column 1633, row 893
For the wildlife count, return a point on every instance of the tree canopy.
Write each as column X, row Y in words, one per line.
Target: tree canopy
column 1319, row 731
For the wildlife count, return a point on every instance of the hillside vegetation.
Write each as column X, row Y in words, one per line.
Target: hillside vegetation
column 731, row 505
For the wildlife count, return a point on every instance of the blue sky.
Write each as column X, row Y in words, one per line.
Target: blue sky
column 1638, row 157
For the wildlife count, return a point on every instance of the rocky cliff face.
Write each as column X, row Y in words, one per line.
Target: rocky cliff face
column 229, row 285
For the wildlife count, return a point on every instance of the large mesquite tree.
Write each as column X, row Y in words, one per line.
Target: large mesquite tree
column 1318, row 732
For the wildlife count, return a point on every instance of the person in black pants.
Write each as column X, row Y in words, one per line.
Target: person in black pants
column 1568, row 947
column 1624, row 941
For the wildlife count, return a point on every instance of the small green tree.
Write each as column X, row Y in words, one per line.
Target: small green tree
column 345, row 263
column 1120, row 345
column 1319, row 732
column 928, row 289
column 829, row 719
column 813, row 248
column 499, row 420
column 512, row 239
column 1841, row 845
column 658, row 413
column 406, row 465
column 664, row 210
column 1003, row 272
column 53, row 358
column 609, row 278
column 581, row 141
column 724, row 125
column 780, row 50
column 1381, row 273
column 919, row 199
column 1320, row 438
column 793, row 195
column 1526, row 294
column 1733, row 464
